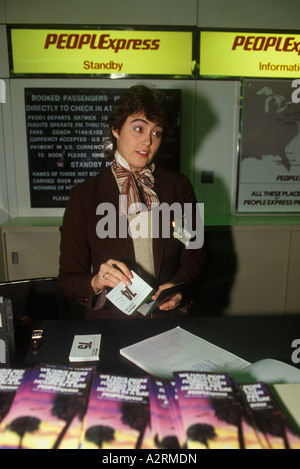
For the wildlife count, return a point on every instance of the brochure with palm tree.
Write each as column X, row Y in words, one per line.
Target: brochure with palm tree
column 10, row 380
column 270, row 421
column 118, row 413
column 166, row 420
column 60, row 407
column 48, row 409
column 212, row 412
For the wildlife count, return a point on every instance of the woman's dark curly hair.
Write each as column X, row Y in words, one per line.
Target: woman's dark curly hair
column 139, row 98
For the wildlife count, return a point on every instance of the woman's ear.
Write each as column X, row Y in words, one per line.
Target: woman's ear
column 115, row 133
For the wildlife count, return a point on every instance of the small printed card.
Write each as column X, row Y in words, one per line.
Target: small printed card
column 128, row 299
column 182, row 234
column 85, row 348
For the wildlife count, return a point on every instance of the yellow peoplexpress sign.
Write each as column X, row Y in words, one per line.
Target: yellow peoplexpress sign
column 246, row 54
column 120, row 52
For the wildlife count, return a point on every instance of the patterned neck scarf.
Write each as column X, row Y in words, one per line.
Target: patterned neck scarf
column 132, row 183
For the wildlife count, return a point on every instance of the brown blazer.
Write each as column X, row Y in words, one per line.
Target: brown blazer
column 82, row 251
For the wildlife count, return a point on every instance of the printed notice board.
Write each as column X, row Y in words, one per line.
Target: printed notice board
column 66, row 129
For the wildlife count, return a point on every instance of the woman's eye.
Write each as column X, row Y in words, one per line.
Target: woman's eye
column 157, row 133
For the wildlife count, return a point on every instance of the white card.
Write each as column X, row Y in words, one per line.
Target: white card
column 182, row 234
column 128, row 299
column 85, row 348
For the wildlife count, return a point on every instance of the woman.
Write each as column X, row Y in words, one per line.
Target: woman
column 93, row 261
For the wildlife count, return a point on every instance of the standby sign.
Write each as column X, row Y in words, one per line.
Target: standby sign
column 246, row 54
column 101, row 52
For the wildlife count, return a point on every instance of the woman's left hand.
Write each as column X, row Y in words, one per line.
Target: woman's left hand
column 171, row 303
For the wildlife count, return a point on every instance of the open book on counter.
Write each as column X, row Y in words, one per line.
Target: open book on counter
column 178, row 349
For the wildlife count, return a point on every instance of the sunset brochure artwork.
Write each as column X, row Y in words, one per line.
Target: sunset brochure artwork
column 166, row 423
column 48, row 409
column 118, row 413
column 212, row 412
column 10, row 380
column 273, row 427
column 72, row 407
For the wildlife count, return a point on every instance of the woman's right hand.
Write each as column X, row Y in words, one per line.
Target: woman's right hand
column 110, row 274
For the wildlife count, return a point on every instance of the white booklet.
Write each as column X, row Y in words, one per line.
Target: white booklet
column 180, row 350
column 269, row 371
column 128, row 299
column 85, row 348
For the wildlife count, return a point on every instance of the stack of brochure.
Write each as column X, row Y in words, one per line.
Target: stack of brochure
column 53, row 407
column 193, row 395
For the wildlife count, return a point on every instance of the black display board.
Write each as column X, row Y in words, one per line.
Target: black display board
column 66, row 129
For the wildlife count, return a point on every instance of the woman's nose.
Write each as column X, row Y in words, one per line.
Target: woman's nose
column 147, row 138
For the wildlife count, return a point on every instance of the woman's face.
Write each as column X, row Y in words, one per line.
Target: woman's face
column 138, row 141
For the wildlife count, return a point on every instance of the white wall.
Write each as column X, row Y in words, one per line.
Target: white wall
column 254, row 14
column 169, row 12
